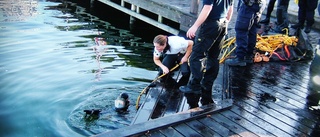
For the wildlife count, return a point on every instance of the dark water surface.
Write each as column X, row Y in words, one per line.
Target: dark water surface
column 49, row 71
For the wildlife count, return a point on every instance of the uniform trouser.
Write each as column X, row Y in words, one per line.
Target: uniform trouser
column 319, row 8
column 170, row 61
column 282, row 13
column 306, row 11
column 270, row 8
column 207, row 45
column 246, row 30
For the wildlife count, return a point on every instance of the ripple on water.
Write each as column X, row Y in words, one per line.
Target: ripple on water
column 108, row 119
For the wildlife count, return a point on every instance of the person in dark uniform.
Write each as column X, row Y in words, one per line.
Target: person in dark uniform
column 306, row 14
column 269, row 11
column 246, row 31
column 211, row 25
column 319, row 8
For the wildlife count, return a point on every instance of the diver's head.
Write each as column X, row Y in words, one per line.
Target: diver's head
column 122, row 103
column 124, row 96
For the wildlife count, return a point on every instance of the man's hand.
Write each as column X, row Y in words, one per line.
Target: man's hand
column 191, row 33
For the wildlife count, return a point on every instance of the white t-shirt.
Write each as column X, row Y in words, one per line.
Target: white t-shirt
column 177, row 45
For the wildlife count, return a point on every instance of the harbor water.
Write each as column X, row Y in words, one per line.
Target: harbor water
column 50, row 73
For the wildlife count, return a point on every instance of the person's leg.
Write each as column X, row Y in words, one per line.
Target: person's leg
column 192, row 99
column 185, row 72
column 270, row 8
column 269, row 11
column 212, row 68
column 169, row 61
column 301, row 15
column 204, row 40
column 310, row 11
column 282, row 15
column 319, row 8
column 241, row 27
column 195, row 66
column 252, row 40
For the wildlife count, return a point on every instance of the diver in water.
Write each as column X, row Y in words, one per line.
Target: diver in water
column 92, row 115
column 122, row 102
column 121, row 105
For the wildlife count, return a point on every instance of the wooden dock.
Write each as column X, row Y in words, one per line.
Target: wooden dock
column 158, row 13
column 262, row 99
column 174, row 16
column 268, row 99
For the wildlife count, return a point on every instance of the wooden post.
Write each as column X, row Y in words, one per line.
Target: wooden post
column 132, row 19
column 194, row 7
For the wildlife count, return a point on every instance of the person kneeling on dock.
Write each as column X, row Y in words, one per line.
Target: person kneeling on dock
column 169, row 51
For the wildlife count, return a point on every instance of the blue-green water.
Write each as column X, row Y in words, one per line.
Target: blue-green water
column 49, row 72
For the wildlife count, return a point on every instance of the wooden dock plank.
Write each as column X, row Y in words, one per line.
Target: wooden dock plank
column 217, row 127
column 153, row 134
column 258, row 89
column 202, row 128
column 171, row 132
column 272, row 78
column 162, row 102
column 286, row 103
column 277, row 110
column 186, row 131
column 173, row 105
column 284, row 117
column 243, row 119
column 181, row 117
column 236, row 128
column 265, row 120
column 147, row 107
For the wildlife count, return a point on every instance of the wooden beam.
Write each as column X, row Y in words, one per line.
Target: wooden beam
column 141, row 17
column 169, row 120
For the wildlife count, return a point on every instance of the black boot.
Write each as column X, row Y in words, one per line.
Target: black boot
column 236, row 62
column 265, row 21
column 297, row 26
column 192, row 99
column 248, row 59
column 307, row 29
column 206, row 98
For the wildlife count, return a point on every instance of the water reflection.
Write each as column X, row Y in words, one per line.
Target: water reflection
column 50, row 71
column 12, row 11
column 99, row 48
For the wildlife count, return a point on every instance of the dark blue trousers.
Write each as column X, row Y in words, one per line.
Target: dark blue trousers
column 306, row 11
column 207, row 45
column 171, row 60
column 246, row 29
